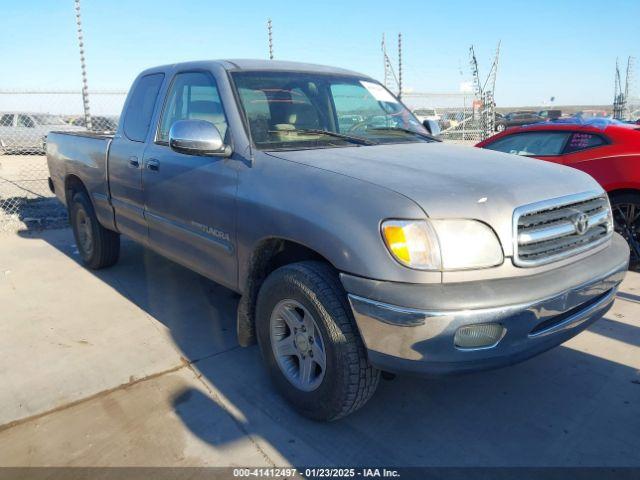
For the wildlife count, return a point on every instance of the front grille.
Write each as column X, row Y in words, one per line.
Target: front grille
column 554, row 229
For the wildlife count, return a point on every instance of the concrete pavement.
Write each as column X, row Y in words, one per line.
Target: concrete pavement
column 138, row 365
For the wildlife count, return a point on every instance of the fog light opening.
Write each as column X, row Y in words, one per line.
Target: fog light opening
column 483, row 335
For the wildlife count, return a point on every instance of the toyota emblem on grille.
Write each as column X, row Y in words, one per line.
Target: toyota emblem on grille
column 581, row 223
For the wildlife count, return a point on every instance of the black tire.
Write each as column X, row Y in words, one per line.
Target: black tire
column 101, row 248
column 500, row 128
column 349, row 380
column 626, row 217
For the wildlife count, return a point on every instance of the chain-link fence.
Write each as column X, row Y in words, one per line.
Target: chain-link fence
column 457, row 114
column 26, row 118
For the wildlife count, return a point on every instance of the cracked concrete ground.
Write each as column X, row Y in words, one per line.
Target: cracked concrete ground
column 139, row 365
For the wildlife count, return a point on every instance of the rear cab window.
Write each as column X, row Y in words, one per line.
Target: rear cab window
column 137, row 119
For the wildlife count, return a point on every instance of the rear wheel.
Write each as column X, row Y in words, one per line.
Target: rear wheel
column 500, row 128
column 98, row 247
column 310, row 343
column 626, row 217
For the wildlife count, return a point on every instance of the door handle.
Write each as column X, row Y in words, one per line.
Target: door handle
column 133, row 162
column 153, row 164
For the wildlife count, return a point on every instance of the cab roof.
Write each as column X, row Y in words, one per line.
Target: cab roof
column 257, row 65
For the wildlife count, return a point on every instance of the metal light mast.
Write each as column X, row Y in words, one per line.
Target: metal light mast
column 485, row 92
column 383, row 46
column 85, row 88
column 628, row 86
column 270, row 32
column 391, row 80
column 400, row 65
column 621, row 99
column 477, row 86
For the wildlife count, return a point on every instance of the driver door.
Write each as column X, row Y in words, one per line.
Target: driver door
column 190, row 199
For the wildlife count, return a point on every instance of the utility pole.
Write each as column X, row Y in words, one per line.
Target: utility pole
column 85, row 88
column 270, row 32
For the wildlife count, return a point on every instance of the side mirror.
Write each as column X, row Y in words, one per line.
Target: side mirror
column 197, row 137
column 432, row 127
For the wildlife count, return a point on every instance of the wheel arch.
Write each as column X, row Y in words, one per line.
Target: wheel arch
column 72, row 185
column 621, row 191
column 268, row 255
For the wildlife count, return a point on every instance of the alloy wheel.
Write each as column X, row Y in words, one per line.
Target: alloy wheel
column 626, row 217
column 297, row 345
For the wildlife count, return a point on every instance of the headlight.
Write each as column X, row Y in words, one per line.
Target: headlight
column 467, row 244
column 413, row 243
column 442, row 244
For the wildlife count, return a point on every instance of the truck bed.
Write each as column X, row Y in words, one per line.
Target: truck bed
column 81, row 154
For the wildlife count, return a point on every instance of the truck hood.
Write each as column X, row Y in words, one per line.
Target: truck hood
column 452, row 181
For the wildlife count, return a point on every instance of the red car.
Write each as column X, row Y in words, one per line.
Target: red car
column 607, row 150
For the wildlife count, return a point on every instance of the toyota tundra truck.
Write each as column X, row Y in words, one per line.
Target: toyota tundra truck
column 356, row 247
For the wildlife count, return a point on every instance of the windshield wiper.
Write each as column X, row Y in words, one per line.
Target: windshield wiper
column 406, row 130
column 348, row 138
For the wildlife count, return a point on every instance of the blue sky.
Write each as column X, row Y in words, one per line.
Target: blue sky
column 561, row 48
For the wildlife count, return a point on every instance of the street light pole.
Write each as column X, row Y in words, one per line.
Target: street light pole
column 85, row 88
column 270, row 33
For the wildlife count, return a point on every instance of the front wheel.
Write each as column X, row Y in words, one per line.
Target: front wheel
column 310, row 343
column 626, row 219
column 500, row 128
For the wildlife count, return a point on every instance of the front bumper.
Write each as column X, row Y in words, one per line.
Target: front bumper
column 537, row 313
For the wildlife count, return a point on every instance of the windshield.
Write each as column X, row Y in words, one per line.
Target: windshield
column 288, row 110
column 48, row 120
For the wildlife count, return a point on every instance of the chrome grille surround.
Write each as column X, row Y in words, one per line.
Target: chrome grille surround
column 548, row 231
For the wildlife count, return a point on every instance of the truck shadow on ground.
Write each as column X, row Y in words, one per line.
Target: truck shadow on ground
column 565, row 407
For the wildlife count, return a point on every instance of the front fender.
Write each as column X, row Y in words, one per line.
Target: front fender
column 335, row 215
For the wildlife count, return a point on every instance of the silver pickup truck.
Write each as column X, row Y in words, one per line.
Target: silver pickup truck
column 356, row 246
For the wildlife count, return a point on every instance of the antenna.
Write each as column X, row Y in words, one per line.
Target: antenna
column 83, row 67
column 270, row 32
